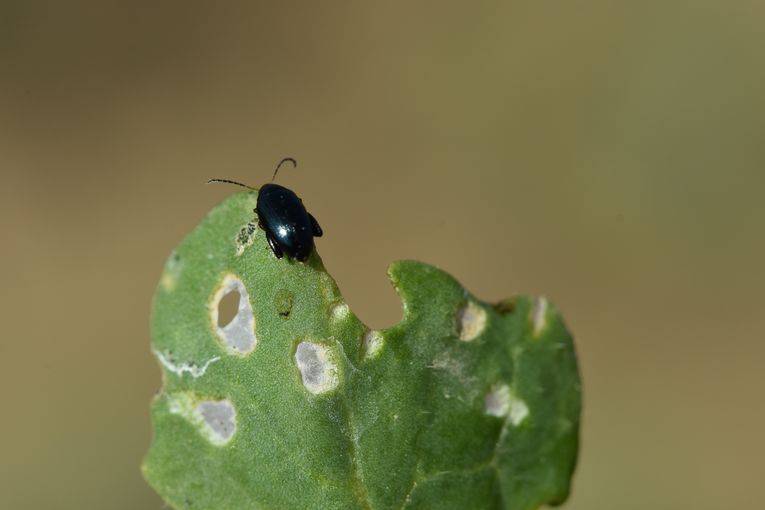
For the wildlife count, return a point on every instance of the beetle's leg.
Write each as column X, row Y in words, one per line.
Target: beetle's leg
column 274, row 247
column 317, row 231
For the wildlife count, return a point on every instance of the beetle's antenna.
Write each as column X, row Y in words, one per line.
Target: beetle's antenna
column 291, row 160
column 226, row 181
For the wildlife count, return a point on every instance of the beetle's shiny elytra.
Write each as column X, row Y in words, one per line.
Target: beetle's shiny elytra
column 289, row 228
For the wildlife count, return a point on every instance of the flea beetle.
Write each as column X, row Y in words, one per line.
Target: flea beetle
column 289, row 228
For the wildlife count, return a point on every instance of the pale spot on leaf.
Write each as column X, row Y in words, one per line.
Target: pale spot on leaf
column 372, row 344
column 501, row 401
column 471, row 321
column 538, row 315
column 317, row 367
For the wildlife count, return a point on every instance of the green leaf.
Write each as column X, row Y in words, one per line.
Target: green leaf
column 297, row 404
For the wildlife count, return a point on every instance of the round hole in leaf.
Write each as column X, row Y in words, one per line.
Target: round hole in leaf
column 228, row 307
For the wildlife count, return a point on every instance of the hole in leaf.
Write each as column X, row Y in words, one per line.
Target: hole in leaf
column 228, row 307
column 231, row 299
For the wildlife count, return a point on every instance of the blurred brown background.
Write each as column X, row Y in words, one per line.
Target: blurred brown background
column 609, row 155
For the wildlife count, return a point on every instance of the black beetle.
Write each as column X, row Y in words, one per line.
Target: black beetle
column 281, row 214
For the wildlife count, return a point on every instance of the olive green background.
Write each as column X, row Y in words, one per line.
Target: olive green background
column 609, row 155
